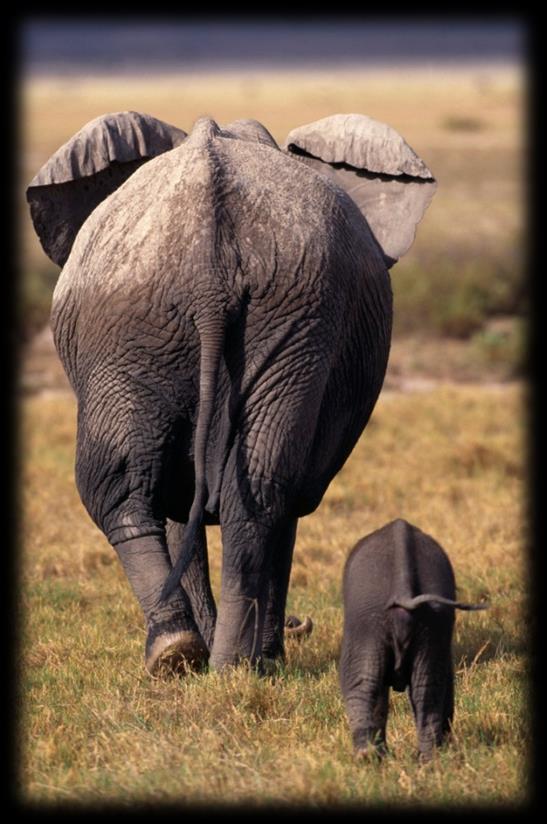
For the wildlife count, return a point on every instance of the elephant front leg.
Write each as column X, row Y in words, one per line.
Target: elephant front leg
column 274, row 622
column 195, row 582
column 173, row 640
column 246, row 566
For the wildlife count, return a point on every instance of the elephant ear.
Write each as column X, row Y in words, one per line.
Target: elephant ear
column 88, row 168
column 387, row 180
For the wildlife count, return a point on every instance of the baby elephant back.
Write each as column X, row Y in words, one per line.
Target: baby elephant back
column 399, row 602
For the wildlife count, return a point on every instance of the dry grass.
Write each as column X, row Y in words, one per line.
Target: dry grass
column 96, row 730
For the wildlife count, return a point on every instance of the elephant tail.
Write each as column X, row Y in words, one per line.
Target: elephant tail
column 418, row 600
column 212, row 332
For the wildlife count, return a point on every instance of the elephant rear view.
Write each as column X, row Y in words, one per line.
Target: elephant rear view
column 224, row 316
column 399, row 602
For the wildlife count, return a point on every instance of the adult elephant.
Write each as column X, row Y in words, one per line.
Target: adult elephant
column 224, row 317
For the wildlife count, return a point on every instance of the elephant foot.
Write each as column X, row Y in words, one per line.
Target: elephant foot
column 427, row 754
column 174, row 653
column 369, row 745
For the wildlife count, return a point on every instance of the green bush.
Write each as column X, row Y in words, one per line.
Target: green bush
column 502, row 341
column 34, row 300
column 455, row 297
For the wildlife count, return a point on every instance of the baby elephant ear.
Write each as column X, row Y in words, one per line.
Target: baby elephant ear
column 387, row 180
column 88, row 168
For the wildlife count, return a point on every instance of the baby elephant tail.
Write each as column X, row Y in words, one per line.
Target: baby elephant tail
column 418, row 600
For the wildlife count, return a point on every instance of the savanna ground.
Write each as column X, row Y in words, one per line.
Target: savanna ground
column 446, row 449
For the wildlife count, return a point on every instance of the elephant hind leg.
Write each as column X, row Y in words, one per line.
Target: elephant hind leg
column 196, row 582
column 367, row 711
column 241, row 612
column 248, row 608
column 431, row 688
column 448, row 706
column 365, row 687
column 431, row 697
column 120, row 477
column 274, row 622
column 173, row 639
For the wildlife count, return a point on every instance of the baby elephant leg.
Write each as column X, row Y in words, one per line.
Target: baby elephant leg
column 432, row 698
column 366, row 694
column 369, row 724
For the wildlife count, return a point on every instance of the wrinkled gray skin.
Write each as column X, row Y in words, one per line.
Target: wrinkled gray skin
column 224, row 317
column 398, row 592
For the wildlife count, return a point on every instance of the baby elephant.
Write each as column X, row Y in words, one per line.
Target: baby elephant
column 399, row 592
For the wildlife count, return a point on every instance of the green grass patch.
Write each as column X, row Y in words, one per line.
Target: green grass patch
column 503, row 342
column 455, row 294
